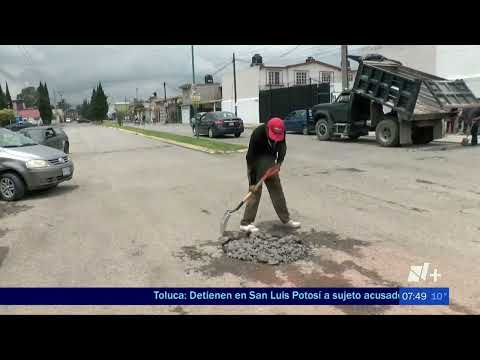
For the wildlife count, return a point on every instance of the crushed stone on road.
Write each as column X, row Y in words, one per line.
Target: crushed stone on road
column 263, row 247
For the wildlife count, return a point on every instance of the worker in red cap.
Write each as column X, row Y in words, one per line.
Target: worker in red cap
column 267, row 148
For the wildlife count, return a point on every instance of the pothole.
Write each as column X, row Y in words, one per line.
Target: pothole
column 263, row 247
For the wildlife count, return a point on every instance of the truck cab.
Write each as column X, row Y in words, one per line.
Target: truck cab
column 348, row 116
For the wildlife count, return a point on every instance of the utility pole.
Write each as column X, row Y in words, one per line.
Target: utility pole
column 344, row 67
column 164, row 91
column 193, row 67
column 193, row 90
column 235, row 85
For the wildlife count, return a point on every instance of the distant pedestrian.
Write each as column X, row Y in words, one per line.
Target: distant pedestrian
column 450, row 125
column 474, row 119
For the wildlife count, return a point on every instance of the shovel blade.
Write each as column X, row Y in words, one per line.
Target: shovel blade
column 223, row 223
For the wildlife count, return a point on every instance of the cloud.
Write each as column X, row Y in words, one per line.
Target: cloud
column 75, row 69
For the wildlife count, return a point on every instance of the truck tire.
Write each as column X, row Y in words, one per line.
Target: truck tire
column 387, row 133
column 322, row 129
column 12, row 187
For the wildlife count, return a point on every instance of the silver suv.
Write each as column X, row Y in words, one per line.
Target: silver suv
column 25, row 165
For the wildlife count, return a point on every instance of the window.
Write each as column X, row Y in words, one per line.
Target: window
column 274, row 78
column 300, row 78
column 326, row 76
column 343, row 98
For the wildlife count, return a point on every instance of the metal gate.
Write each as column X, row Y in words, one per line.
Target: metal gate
column 280, row 102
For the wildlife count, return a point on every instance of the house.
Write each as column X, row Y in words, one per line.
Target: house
column 209, row 96
column 167, row 110
column 260, row 76
column 58, row 116
column 121, row 106
column 447, row 61
column 29, row 114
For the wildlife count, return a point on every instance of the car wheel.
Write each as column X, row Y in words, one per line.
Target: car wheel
column 237, row 135
column 305, row 130
column 66, row 147
column 211, row 134
column 322, row 128
column 12, row 187
column 387, row 133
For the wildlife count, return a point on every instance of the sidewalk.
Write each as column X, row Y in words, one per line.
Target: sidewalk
column 452, row 138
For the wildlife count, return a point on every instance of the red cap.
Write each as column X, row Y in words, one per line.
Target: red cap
column 276, row 129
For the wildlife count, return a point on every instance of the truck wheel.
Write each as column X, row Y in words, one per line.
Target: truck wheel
column 322, row 128
column 12, row 187
column 211, row 134
column 387, row 133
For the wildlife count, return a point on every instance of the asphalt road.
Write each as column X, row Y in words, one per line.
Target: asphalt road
column 140, row 212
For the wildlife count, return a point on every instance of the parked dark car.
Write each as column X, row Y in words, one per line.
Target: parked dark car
column 19, row 126
column 300, row 121
column 217, row 123
column 49, row 136
column 25, row 166
column 195, row 119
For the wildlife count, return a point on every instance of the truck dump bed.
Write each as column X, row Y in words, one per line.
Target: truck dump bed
column 414, row 94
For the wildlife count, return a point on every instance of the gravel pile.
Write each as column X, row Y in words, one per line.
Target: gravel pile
column 263, row 247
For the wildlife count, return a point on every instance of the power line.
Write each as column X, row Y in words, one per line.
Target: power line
column 290, row 51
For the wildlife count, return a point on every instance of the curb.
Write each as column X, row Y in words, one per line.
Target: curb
column 188, row 146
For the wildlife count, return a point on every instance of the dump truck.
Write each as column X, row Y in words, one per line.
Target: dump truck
column 402, row 105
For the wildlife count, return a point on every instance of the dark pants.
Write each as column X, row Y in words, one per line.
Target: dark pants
column 275, row 190
column 450, row 127
column 474, row 132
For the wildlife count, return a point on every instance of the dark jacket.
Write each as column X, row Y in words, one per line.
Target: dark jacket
column 261, row 154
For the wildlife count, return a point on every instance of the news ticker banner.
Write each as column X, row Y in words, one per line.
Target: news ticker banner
column 223, row 296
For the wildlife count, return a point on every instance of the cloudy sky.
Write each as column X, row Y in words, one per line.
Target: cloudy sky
column 74, row 70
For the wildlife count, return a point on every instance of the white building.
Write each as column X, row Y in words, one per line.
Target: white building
column 263, row 77
column 447, row 61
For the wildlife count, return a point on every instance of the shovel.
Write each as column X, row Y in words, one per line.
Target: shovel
column 270, row 172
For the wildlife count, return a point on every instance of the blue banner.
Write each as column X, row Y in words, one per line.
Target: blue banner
column 224, row 296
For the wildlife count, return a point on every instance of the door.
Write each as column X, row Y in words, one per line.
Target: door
column 301, row 120
column 339, row 110
column 204, row 123
column 290, row 122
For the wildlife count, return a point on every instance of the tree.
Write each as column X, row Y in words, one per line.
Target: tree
column 102, row 104
column 30, row 96
column 7, row 117
column 44, row 104
column 92, row 107
column 3, row 99
column 8, row 97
